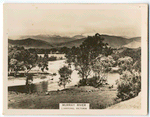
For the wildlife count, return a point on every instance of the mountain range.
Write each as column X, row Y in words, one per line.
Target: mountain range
column 54, row 39
column 30, row 43
column 45, row 41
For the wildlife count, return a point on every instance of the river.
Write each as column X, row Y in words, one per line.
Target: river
column 52, row 85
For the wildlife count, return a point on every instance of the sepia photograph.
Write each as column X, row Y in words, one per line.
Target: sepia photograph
column 85, row 59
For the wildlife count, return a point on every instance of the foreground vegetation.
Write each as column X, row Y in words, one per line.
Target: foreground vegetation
column 98, row 99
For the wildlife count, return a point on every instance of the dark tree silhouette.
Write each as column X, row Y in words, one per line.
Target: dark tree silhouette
column 83, row 56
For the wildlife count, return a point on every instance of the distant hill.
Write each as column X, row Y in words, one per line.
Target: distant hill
column 113, row 41
column 136, row 39
column 54, row 39
column 30, row 43
column 78, row 37
column 136, row 43
column 70, row 44
column 116, row 41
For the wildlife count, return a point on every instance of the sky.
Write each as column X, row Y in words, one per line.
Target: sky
column 35, row 19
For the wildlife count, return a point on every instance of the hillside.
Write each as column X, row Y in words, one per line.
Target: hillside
column 136, row 43
column 70, row 44
column 136, row 39
column 30, row 43
column 113, row 41
column 116, row 41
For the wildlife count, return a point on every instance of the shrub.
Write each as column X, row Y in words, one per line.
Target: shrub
column 82, row 82
column 65, row 76
column 129, row 85
column 94, row 81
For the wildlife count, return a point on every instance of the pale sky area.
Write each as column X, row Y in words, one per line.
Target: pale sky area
column 35, row 20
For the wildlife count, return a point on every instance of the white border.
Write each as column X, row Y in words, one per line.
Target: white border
column 98, row 112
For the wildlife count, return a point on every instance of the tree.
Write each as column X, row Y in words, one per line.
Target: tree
column 100, row 66
column 71, row 55
column 46, row 56
column 64, row 50
column 107, row 63
column 129, row 84
column 83, row 56
column 65, row 76
column 95, row 46
column 82, row 64
column 21, row 59
column 42, row 62
column 125, row 63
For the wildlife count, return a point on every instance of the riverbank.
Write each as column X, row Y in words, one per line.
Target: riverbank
column 12, row 81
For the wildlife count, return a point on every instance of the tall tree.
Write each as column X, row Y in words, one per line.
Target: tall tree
column 87, row 52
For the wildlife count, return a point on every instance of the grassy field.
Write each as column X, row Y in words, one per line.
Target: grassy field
column 98, row 98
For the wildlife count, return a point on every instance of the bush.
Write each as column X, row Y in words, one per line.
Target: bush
column 129, row 85
column 82, row 82
column 94, row 81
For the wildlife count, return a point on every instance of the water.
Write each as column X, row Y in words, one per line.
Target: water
column 112, row 77
column 38, row 87
column 52, row 85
